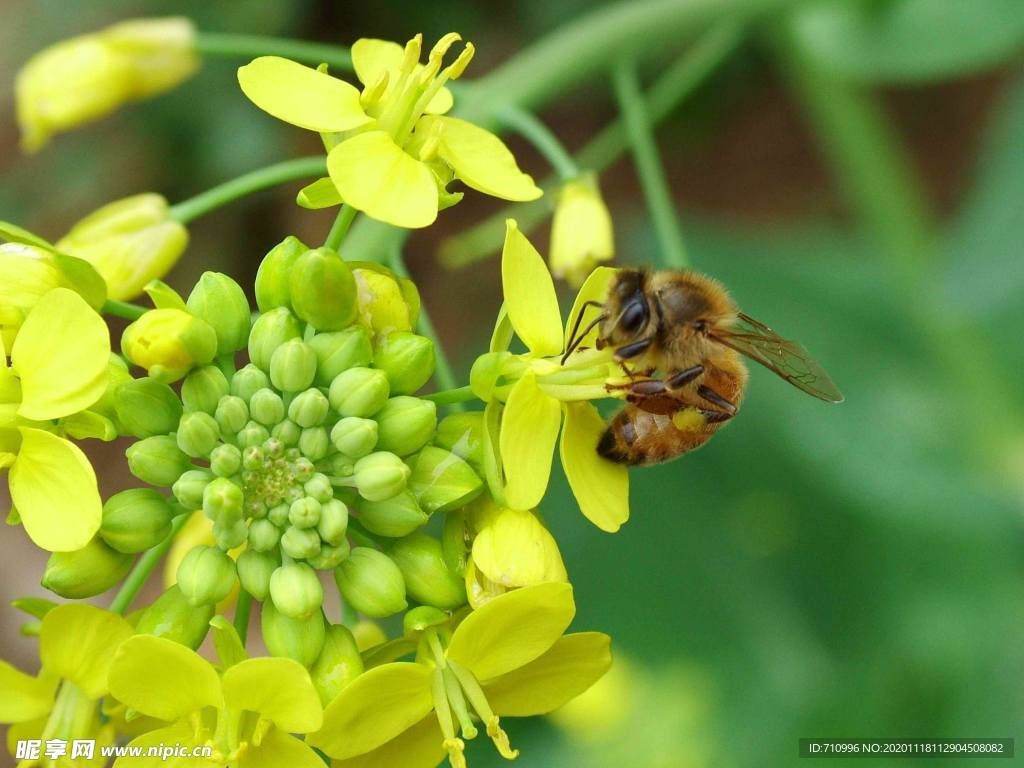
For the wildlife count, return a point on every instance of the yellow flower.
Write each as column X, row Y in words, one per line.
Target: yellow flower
column 546, row 397
column 581, row 231
column 76, row 645
column 509, row 658
column 130, row 242
column 511, row 549
column 59, row 367
column 169, row 342
column 82, row 79
column 391, row 150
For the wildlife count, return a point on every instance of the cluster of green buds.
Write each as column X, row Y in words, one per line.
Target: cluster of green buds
column 314, row 456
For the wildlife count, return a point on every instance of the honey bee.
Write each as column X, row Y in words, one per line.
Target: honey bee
column 684, row 326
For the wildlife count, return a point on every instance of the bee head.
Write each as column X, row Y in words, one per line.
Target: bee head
column 628, row 309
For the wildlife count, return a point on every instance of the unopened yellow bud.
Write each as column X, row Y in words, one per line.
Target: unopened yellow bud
column 129, row 242
column 169, row 343
column 581, row 232
column 82, row 79
column 382, row 305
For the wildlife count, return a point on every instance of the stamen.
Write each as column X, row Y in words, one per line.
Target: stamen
column 500, row 739
column 458, row 705
column 478, row 700
column 441, row 47
column 429, row 149
column 458, row 66
column 442, row 708
column 371, row 96
column 411, row 58
column 454, row 748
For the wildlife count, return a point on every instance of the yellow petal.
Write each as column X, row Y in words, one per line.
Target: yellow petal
column 601, row 487
column 595, row 288
column 480, row 159
column 25, row 697
column 375, row 176
column 570, row 667
column 78, row 642
column 417, row 747
column 279, row 689
column 529, row 429
column 61, row 356
column 515, row 550
column 372, row 58
column 301, row 95
column 530, row 294
column 54, row 489
column 279, row 749
column 374, row 708
column 178, row 734
column 162, row 678
column 512, row 629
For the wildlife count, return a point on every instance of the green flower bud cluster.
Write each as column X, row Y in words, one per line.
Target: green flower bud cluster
column 319, row 428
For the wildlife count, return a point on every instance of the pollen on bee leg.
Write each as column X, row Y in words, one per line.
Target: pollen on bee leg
column 455, row 749
column 689, row 420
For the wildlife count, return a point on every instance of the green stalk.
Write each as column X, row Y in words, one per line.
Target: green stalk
column 340, row 227
column 124, row 309
column 451, row 396
column 229, row 191
column 531, row 128
column 243, row 606
column 648, row 165
column 678, row 81
column 140, row 573
column 250, row 46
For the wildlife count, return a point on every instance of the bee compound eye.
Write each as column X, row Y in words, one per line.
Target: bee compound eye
column 633, row 316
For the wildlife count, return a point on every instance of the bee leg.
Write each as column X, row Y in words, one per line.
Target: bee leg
column 684, row 377
column 713, row 397
column 640, row 388
column 632, row 350
column 633, row 375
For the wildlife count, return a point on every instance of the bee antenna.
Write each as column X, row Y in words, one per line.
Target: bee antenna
column 575, row 339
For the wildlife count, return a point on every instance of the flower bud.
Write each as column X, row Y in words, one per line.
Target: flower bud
column 323, row 291
column 299, row 639
column 272, row 278
column 225, row 460
column 441, row 481
column 368, row 634
column 382, row 305
column 157, row 460
column 333, row 523
column 252, row 435
column 296, row 590
column 309, row 408
column 319, row 487
column 263, row 535
column 314, row 443
column 232, row 414
column 266, row 406
column 380, row 476
column 288, row 432
column 353, row 436
column 371, row 583
column 394, row 517
column 293, row 366
column 85, row 572
column 173, row 617
column 300, row 543
column 84, row 78
column 278, row 515
column 223, row 500
column 581, row 231
column 189, row 488
column 247, row 381
column 117, row 376
column 425, row 573
column 198, row 433
column 423, row 617
column 203, row 389
column 168, row 343
column 206, row 575
column 405, row 424
column 359, row 392
column 229, row 532
column 329, row 556
column 254, row 572
column 340, row 350
column 221, row 302
column 463, row 434
column 338, row 665
column 406, row 358
column 135, row 520
column 304, row 512
column 146, row 407
column 456, row 537
column 270, row 331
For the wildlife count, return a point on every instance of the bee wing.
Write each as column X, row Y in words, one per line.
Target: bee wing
column 786, row 358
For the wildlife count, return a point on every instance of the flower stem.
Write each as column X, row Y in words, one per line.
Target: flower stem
column 137, row 578
column 250, row 46
column 451, row 396
column 229, row 191
column 533, row 129
column 340, row 227
column 678, row 81
column 648, row 165
column 123, row 309
column 242, row 609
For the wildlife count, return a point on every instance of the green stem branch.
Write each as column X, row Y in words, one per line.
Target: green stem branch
column 140, row 573
column 250, row 46
column 124, row 309
column 229, row 191
column 451, row 396
column 648, row 165
column 533, row 129
column 339, row 229
column 243, row 608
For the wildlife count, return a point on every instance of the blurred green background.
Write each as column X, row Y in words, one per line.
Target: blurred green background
column 847, row 571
